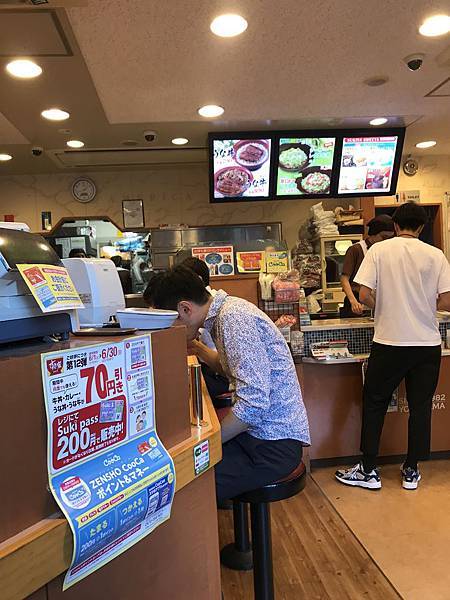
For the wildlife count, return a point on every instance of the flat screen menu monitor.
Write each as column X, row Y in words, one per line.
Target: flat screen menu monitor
column 304, row 165
column 240, row 167
column 369, row 164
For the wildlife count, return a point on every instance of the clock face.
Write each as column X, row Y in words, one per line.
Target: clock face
column 84, row 190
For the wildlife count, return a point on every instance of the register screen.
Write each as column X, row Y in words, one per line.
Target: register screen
column 19, row 247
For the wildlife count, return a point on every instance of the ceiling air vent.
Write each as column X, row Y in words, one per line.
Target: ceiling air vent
column 126, row 157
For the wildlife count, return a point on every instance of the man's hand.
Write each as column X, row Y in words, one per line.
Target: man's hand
column 357, row 307
column 206, row 355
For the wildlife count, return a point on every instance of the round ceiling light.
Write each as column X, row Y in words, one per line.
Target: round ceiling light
column 378, row 121
column 180, row 141
column 75, row 143
column 228, row 25
column 55, row 114
column 23, row 69
column 211, row 110
column 376, row 81
column 435, row 26
column 5, row 157
column 428, row 144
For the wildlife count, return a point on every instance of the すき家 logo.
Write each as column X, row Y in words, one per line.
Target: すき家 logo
column 55, row 366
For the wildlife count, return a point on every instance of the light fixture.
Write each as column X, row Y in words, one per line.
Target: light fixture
column 75, row 143
column 5, row 157
column 376, row 81
column 436, row 25
column 23, row 69
column 180, row 141
column 428, row 144
column 228, row 25
column 210, row 110
column 55, row 114
column 378, row 121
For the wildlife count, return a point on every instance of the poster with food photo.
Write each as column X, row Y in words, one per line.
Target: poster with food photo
column 250, row 262
column 241, row 168
column 304, row 166
column 367, row 164
column 220, row 259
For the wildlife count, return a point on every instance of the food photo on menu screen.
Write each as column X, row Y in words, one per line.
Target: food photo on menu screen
column 367, row 164
column 241, row 168
column 304, row 166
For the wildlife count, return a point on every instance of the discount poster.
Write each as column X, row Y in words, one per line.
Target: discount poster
column 51, row 287
column 108, row 471
column 219, row 259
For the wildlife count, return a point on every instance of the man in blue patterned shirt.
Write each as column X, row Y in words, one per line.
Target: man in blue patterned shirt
column 264, row 432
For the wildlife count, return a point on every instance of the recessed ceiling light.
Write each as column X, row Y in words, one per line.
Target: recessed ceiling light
column 376, row 81
column 75, row 143
column 211, row 110
column 55, row 114
column 23, row 69
column 129, row 143
column 228, row 25
column 428, row 144
column 436, row 25
column 5, row 157
column 180, row 141
column 378, row 121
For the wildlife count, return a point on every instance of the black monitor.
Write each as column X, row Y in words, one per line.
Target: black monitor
column 21, row 247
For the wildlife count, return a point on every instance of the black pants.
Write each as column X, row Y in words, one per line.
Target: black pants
column 248, row 463
column 388, row 366
column 216, row 385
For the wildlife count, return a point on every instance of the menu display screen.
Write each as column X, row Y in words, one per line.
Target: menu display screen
column 241, row 168
column 367, row 164
column 305, row 166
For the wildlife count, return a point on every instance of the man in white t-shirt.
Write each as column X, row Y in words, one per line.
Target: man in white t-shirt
column 411, row 280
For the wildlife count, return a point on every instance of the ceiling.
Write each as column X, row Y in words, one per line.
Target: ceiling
column 123, row 66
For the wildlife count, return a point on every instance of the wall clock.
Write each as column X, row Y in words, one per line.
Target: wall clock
column 84, row 190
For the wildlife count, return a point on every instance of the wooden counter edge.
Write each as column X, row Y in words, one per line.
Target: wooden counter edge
column 35, row 556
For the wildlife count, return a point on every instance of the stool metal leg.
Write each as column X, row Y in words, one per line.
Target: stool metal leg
column 238, row 556
column 262, row 551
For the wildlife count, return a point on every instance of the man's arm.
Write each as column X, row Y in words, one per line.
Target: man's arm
column 366, row 296
column 443, row 302
column 207, row 355
column 231, row 426
column 357, row 307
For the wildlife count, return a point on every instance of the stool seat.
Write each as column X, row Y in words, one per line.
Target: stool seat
column 282, row 489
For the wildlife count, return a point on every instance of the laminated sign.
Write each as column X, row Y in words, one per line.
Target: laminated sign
column 108, row 471
column 51, row 287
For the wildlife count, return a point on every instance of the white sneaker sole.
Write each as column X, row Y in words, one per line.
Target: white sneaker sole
column 411, row 485
column 368, row 485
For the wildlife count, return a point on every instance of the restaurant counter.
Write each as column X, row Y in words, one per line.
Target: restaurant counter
column 36, row 541
column 332, row 392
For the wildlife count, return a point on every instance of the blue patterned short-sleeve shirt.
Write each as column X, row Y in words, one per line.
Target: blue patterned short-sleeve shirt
column 257, row 360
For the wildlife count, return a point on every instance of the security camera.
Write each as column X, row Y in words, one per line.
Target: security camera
column 150, row 136
column 414, row 61
column 37, row 151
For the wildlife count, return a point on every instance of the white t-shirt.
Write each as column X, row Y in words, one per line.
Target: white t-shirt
column 407, row 275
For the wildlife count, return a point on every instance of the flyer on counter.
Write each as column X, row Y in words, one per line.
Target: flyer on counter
column 108, row 471
column 220, row 259
column 250, row 262
column 241, row 168
column 51, row 286
column 367, row 164
column 305, row 166
column 277, row 261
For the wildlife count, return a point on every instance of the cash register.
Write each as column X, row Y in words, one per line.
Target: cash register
column 20, row 316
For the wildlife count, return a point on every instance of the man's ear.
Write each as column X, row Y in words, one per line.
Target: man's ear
column 184, row 308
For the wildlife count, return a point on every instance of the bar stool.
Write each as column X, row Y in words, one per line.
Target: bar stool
column 238, row 556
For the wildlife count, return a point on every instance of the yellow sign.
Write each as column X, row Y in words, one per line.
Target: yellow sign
column 277, row 262
column 51, row 287
column 250, row 262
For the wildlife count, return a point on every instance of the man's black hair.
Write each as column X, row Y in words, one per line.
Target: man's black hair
column 198, row 266
column 75, row 252
column 379, row 224
column 166, row 290
column 117, row 260
column 410, row 216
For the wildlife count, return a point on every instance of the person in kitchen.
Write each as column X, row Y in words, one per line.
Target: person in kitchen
column 77, row 253
column 380, row 228
column 412, row 281
column 265, row 430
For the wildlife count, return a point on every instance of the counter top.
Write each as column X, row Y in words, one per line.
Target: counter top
column 356, row 358
column 357, row 323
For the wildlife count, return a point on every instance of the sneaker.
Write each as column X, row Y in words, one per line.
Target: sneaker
column 356, row 476
column 411, row 478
